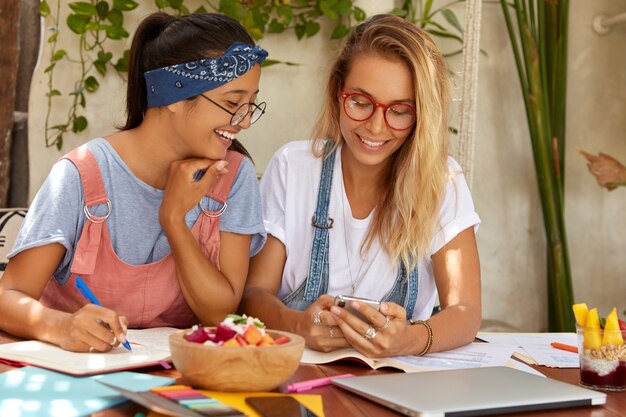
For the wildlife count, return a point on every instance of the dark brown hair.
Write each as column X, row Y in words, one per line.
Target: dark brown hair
column 162, row 39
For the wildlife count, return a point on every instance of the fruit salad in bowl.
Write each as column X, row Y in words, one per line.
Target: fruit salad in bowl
column 601, row 349
column 239, row 354
column 235, row 330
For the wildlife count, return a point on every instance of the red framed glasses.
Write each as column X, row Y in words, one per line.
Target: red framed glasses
column 360, row 107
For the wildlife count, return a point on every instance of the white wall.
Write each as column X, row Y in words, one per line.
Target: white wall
column 511, row 238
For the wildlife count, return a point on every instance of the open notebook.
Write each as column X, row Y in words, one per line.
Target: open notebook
column 150, row 347
column 469, row 392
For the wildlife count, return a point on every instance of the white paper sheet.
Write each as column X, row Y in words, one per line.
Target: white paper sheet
column 536, row 346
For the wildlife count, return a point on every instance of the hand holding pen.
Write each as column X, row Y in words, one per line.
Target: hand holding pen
column 110, row 323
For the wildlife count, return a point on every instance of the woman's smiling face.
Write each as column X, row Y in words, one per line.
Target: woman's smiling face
column 205, row 127
column 372, row 141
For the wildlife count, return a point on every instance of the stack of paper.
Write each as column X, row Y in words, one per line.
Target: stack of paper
column 536, row 349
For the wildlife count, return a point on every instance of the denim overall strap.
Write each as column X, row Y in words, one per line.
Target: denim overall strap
column 404, row 290
column 317, row 278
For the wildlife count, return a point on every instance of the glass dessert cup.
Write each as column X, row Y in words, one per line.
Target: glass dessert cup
column 602, row 363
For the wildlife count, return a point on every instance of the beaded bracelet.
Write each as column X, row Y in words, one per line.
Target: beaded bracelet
column 429, row 343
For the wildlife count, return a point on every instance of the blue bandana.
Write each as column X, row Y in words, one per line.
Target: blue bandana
column 174, row 83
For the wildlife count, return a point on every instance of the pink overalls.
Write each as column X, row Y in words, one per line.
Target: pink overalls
column 148, row 295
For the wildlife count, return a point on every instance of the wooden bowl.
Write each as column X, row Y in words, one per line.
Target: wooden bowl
column 221, row 368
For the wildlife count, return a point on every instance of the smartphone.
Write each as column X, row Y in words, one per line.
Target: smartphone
column 280, row 406
column 342, row 301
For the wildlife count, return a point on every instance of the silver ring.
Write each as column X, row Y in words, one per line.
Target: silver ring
column 387, row 321
column 317, row 320
column 370, row 333
column 331, row 331
column 91, row 349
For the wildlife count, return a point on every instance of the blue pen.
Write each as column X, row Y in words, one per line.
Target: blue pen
column 84, row 290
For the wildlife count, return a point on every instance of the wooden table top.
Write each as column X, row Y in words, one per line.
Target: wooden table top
column 340, row 403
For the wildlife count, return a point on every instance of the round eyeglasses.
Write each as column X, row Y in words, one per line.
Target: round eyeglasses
column 360, row 107
column 255, row 111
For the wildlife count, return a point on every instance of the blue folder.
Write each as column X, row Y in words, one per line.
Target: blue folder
column 37, row 392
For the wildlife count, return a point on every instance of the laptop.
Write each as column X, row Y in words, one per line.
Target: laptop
column 469, row 392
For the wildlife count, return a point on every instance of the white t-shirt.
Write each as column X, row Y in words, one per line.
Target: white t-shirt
column 289, row 189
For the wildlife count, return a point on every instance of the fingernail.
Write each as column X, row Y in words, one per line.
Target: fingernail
column 220, row 165
column 122, row 338
column 335, row 310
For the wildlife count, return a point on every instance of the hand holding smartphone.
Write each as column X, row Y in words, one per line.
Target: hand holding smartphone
column 343, row 300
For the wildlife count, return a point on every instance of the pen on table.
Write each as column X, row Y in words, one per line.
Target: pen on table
column 86, row 292
column 563, row 346
column 313, row 383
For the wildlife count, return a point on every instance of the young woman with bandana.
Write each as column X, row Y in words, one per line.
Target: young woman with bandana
column 160, row 218
column 374, row 208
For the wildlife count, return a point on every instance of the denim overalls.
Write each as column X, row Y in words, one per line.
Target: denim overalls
column 404, row 290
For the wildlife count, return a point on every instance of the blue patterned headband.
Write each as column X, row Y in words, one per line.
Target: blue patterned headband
column 173, row 83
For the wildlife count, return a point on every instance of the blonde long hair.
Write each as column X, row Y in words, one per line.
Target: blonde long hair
column 408, row 212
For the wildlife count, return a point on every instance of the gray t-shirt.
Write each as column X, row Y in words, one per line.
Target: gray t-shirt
column 56, row 214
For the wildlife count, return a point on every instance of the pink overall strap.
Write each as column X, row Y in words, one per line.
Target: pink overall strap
column 90, row 178
column 94, row 193
column 221, row 188
column 209, row 221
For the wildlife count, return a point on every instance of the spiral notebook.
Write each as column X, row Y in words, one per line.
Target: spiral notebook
column 469, row 392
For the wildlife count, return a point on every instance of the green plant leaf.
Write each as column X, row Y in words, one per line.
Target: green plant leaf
column 44, row 8
column 100, row 67
column 359, row 14
column 53, row 93
column 91, row 84
column 340, row 32
column 94, row 27
column 176, row 4
column 53, row 37
column 452, row 19
column 285, row 13
column 77, row 23
column 83, row 8
column 116, row 32
column 115, row 17
column 300, row 31
column 311, row 28
column 102, row 7
column 234, row 9
column 344, row 7
column 80, row 124
column 275, row 27
column 49, row 68
column 104, row 56
column 59, row 54
column 399, row 12
column 122, row 64
column 125, row 5
column 443, row 34
column 161, row 4
column 328, row 8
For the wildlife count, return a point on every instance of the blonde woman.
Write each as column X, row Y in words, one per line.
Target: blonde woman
column 373, row 208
